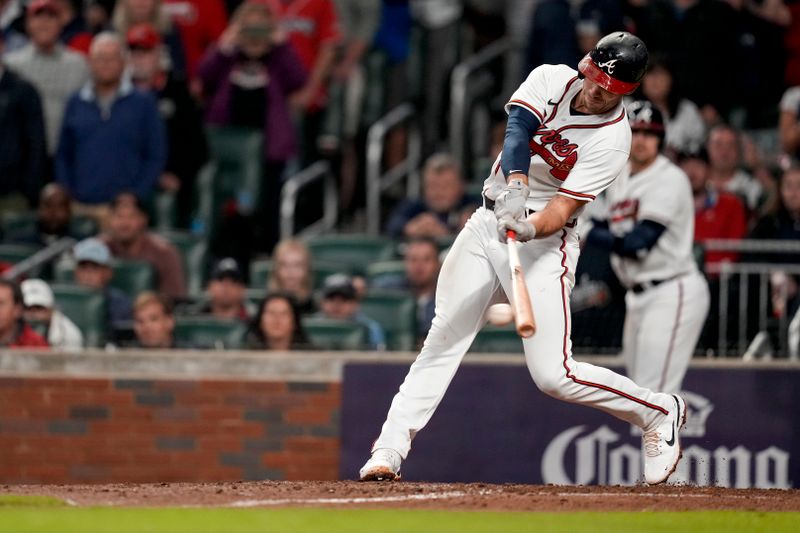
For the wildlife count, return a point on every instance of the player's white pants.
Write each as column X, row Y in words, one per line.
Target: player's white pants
column 475, row 267
column 662, row 326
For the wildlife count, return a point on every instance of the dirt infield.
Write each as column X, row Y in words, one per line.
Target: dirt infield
column 401, row 494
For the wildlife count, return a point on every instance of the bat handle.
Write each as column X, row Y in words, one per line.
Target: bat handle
column 511, row 234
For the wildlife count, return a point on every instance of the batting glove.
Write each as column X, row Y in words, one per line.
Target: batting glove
column 512, row 200
column 525, row 230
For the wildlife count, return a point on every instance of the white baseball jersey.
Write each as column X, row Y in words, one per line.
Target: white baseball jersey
column 574, row 155
column 660, row 193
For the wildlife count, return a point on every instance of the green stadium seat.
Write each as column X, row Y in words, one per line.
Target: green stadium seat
column 14, row 253
column 396, row 312
column 481, row 167
column 497, row 339
column 385, row 272
column 86, row 308
column 194, row 253
column 353, row 253
column 165, row 211
column 328, row 334
column 261, row 269
column 25, row 222
column 210, row 332
column 134, row 277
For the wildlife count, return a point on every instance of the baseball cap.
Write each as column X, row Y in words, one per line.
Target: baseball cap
column 227, row 268
column 143, row 36
column 339, row 285
column 42, row 6
column 92, row 250
column 36, row 292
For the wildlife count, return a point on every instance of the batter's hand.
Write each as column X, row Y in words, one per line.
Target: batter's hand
column 525, row 230
column 512, row 200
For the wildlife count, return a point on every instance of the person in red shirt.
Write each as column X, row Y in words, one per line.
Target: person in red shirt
column 14, row 331
column 718, row 214
column 200, row 23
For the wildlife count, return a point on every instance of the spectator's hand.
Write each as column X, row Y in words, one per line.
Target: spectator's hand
column 426, row 225
column 230, row 37
column 782, row 289
column 303, row 99
column 169, row 182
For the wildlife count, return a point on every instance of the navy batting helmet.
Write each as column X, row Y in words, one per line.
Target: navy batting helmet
column 617, row 63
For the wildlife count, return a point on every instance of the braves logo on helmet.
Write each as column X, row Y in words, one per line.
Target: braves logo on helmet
column 608, row 65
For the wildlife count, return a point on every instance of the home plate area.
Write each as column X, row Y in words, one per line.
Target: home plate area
column 402, row 494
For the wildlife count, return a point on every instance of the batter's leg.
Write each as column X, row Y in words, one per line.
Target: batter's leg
column 549, row 353
column 466, row 285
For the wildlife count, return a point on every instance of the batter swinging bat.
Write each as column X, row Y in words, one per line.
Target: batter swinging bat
column 523, row 312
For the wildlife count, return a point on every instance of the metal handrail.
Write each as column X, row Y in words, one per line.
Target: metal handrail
column 459, row 87
column 377, row 180
column 291, row 189
column 752, row 245
column 41, row 257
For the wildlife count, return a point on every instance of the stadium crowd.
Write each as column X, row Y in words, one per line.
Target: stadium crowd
column 109, row 107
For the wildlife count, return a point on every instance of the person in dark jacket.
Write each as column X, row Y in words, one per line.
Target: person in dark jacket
column 248, row 78
column 188, row 148
column 23, row 149
column 112, row 139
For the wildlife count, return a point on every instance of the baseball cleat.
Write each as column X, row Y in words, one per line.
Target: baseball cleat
column 661, row 446
column 384, row 465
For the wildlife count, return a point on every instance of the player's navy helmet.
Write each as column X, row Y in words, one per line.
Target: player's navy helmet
column 617, row 63
column 644, row 116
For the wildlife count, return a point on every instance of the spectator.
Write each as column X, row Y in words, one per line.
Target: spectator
column 717, row 214
column 553, row 38
column 783, row 224
column 22, row 141
column 444, row 207
column 685, row 128
column 188, row 149
column 112, row 139
column 277, row 325
column 75, row 33
column 153, row 321
column 422, row 264
column 789, row 124
column 93, row 269
column 291, row 273
column 128, row 13
column 725, row 174
column 55, row 71
column 53, row 219
column 40, row 308
column 12, row 25
column 340, row 301
column 14, row 331
column 248, row 77
column 128, row 238
column 200, row 23
column 312, row 27
column 226, row 292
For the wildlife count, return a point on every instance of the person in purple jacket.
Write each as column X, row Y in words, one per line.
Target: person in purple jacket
column 247, row 78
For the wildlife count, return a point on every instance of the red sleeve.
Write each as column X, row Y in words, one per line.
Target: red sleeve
column 328, row 19
column 217, row 19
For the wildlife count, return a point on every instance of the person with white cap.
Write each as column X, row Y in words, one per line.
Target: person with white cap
column 40, row 309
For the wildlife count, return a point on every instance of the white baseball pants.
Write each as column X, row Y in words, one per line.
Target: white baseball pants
column 475, row 268
column 662, row 326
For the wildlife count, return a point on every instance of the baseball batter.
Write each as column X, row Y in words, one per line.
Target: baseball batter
column 650, row 232
column 567, row 138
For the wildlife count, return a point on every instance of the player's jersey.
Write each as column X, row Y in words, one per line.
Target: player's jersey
column 660, row 193
column 573, row 155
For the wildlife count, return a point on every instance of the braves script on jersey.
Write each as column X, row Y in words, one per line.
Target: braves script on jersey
column 574, row 155
column 661, row 193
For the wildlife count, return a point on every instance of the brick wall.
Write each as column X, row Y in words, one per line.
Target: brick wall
column 86, row 430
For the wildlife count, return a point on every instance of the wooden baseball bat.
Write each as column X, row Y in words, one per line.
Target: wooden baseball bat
column 523, row 311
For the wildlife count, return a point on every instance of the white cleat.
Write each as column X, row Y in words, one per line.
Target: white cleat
column 661, row 446
column 384, row 465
